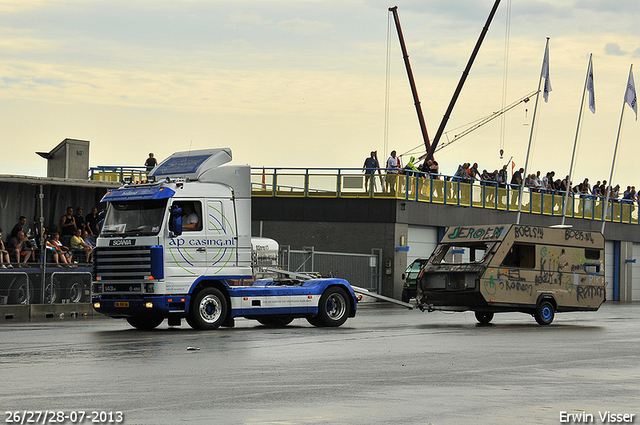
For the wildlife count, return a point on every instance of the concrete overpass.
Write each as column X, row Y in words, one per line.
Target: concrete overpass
column 331, row 211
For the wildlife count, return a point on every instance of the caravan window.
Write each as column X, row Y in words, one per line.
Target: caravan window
column 521, row 255
column 592, row 254
column 462, row 254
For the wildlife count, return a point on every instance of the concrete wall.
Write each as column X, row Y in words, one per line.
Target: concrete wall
column 69, row 160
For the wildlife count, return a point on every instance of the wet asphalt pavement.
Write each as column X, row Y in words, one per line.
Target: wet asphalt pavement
column 385, row 366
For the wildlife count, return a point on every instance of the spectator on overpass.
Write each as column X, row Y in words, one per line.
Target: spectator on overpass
column 370, row 166
column 393, row 165
column 151, row 162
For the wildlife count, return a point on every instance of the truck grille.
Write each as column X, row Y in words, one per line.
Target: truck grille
column 122, row 263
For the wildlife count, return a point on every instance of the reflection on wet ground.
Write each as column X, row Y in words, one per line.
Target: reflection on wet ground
column 386, row 365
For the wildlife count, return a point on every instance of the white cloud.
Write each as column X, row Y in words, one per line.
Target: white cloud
column 304, row 27
column 241, row 20
column 613, row 49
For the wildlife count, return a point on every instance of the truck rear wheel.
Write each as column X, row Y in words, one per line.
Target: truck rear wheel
column 208, row 310
column 316, row 321
column 544, row 313
column 145, row 323
column 333, row 309
column 484, row 317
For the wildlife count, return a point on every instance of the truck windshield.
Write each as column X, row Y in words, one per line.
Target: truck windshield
column 134, row 218
column 462, row 254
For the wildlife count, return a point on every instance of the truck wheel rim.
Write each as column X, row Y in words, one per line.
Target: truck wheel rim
column 75, row 292
column 50, row 294
column 210, row 309
column 546, row 312
column 336, row 306
column 23, row 297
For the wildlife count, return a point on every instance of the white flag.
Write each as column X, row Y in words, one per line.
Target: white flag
column 630, row 94
column 545, row 74
column 592, row 95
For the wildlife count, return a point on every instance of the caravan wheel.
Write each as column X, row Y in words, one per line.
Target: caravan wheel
column 544, row 313
column 484, row 317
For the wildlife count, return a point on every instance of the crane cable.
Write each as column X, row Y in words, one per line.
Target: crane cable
column 474, row 125
column 504, row 77
column 387, row 88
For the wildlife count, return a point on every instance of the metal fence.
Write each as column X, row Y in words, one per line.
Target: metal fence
column 363, row 270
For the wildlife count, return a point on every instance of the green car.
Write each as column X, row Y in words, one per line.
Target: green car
column 409, row 276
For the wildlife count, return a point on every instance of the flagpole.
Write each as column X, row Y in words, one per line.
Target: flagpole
column 575, row 143
column 533, row 120
column 613, row 163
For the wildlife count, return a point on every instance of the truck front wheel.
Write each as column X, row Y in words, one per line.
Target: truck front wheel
column 209, row 309
column 145, row 323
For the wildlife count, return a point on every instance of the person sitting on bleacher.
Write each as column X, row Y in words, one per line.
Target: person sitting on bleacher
column 59, row 252
column 62, row 250
column 77, row 243
column 21, row 247
column 4, row 255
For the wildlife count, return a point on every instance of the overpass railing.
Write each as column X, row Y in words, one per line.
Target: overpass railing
column 117, row 173
column 439, row 189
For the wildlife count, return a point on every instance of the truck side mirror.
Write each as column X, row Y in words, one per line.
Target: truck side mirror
column 404, row 276
column 175, row 220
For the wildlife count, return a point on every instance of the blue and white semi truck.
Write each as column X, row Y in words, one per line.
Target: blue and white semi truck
column 169, row 248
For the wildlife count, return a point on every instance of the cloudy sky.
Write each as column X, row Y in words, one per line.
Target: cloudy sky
column 302, row 83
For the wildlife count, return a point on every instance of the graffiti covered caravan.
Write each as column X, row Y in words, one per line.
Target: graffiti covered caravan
column 529, row 269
